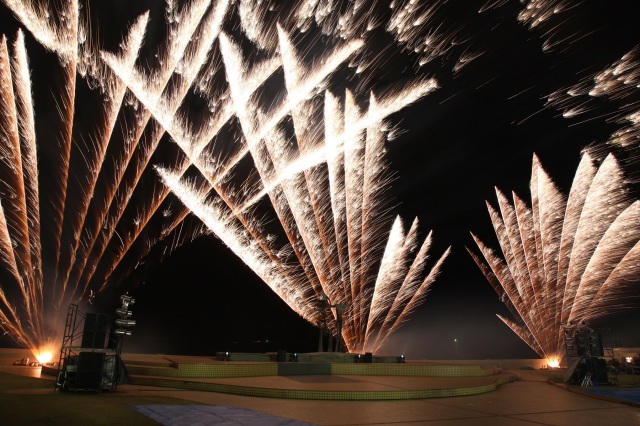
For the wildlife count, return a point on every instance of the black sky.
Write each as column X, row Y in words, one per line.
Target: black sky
column 478, row 131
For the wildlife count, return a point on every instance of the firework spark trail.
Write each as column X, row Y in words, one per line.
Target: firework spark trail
column 278, row 116
column 499, row 272
column 316, row 222
column 612, row 96
column 26, row 125
column 353, row 202
column 305, row 221
column 179, row 130
column 551, row 17
column 417, row 295
column 14, row 220
column 583, row 253
column 50, row 27
column 374, row 198
column 124, row 66
column 606, row 97
column 263, row 154
column 394, row 296
column 623, row 279
column 301, row 186
column 63, row 40
column 409, row 286
column 407, row 23
column 12, row 186
column 165, row 114
column 15, row 233
column 217, row 218
column 334, row 128
column 575, row 203
column 609, row 253
column 117, row 93
column 606, row 199
column 391, row 271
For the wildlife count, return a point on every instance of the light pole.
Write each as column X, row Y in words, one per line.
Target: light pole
column 124, row 320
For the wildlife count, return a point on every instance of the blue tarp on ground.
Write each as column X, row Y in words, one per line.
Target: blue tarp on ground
column 622, row 394
column 188, row 415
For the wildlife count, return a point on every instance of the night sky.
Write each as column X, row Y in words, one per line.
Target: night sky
column 478, row 131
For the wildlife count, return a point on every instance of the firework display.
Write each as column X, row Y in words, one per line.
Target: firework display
column 132, row 126
column 564, row 260
column 314, row 154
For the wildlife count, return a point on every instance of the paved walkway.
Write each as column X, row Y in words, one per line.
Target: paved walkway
column 529, row 401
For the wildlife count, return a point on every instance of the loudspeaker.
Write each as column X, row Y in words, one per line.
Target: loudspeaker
column 94, row 334
column 282, row 356
column 368, row 357
column 89, row 375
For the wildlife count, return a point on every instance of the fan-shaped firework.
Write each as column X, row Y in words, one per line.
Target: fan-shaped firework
column 78, row 199
column 289, row 175
column 564, row 260
column 330, row 201
column 313, row 161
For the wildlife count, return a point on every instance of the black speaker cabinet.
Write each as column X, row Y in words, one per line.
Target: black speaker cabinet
column 89, row 374
column 94, row 334
column 368, row 357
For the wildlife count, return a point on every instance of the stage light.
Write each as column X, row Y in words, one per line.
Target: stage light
column 358, row 358
column 123, row 313
column 125, row 322
column 401, row 359
column 227, row 356
column 123, row 332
